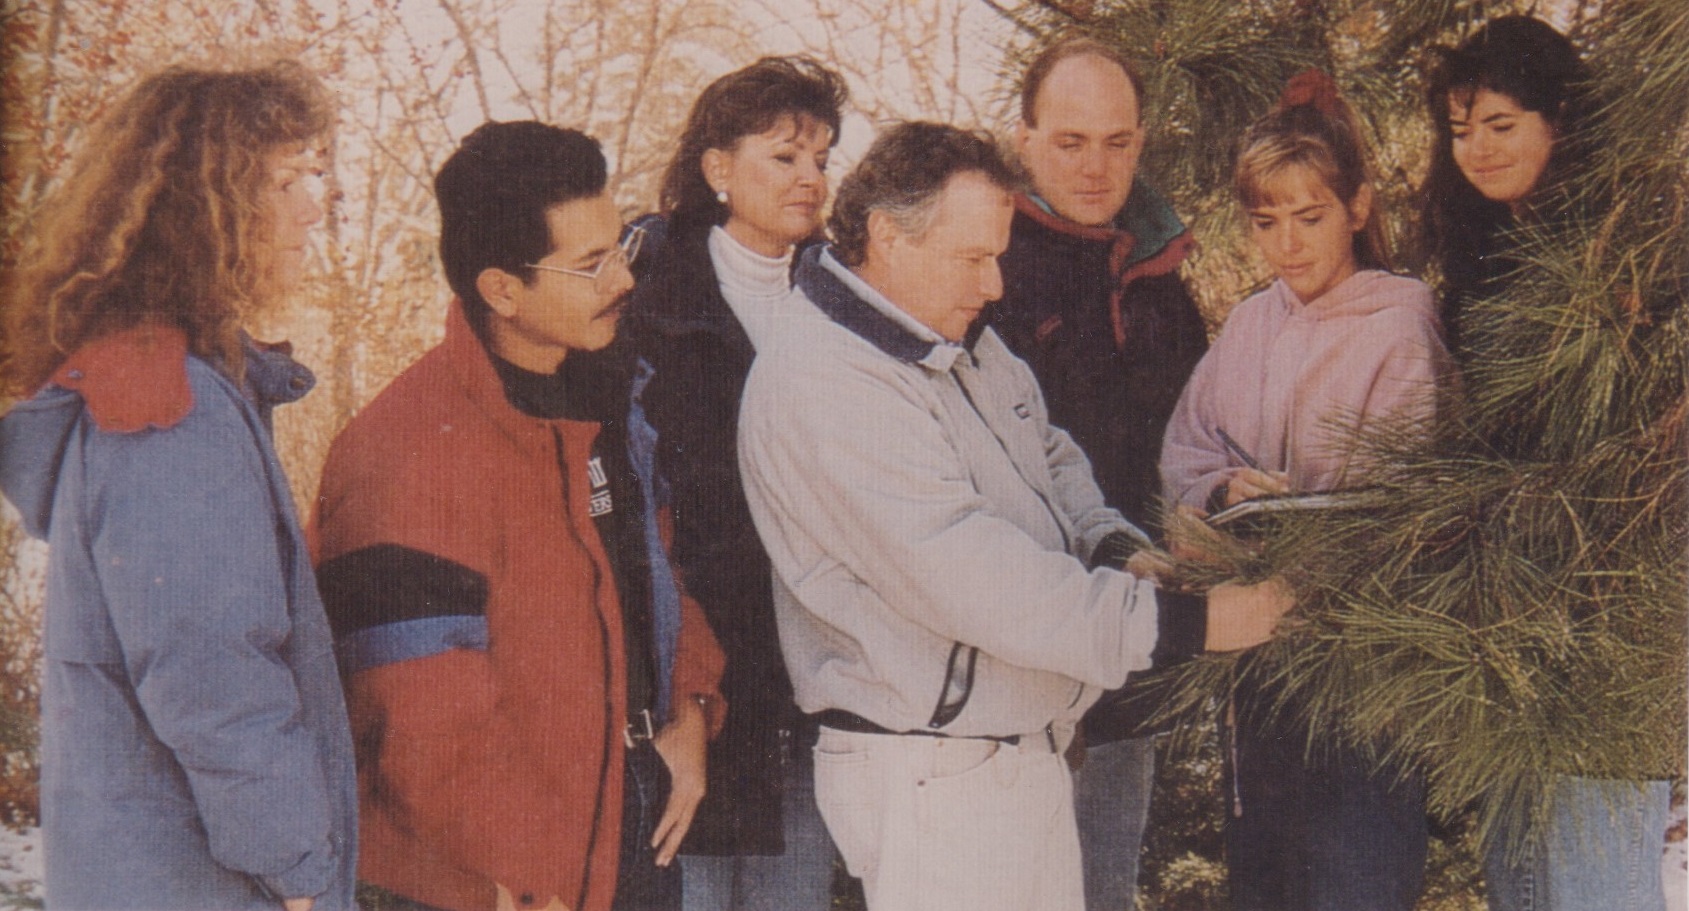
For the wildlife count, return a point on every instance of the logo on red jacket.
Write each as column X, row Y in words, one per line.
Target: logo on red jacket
column 600, row 504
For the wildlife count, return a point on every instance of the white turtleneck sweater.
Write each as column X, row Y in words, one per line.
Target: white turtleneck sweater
column 758, row 288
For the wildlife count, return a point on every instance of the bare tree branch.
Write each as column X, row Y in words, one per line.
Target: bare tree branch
column 470, row 56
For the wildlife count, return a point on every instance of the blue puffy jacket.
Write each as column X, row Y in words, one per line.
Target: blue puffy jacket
column 195, row 751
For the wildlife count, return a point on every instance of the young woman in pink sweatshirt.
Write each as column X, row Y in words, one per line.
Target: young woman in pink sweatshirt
column 1334, row 345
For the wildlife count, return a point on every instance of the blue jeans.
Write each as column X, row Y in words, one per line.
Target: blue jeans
column 641, row 885
column 1321, row 834
column 1600, row 851
column 801, row 879
column 1111, row 793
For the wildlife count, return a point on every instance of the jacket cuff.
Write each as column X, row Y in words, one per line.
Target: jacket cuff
column 1182, row 619
column 1113, row 550
column 307, row 879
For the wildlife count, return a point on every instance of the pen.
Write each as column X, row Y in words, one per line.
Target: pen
column 1237, row 450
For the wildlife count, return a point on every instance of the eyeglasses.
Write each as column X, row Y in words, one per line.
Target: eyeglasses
column 625, row 253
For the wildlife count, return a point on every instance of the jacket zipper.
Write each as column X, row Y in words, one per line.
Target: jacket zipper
column 948, row 708
column 609, row 732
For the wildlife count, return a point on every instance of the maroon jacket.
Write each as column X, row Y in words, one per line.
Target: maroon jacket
column 488, row 706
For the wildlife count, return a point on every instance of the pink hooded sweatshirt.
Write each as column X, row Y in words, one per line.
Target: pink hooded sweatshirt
column 1283, row 378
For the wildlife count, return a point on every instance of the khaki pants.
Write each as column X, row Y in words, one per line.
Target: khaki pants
column 934, row 823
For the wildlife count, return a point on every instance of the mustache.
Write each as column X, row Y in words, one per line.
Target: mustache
column 620, row 303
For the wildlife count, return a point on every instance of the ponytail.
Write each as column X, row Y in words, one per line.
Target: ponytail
column 1313, row 127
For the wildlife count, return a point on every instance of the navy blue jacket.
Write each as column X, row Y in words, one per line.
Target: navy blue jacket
column 1112, row 333
column 701, row 355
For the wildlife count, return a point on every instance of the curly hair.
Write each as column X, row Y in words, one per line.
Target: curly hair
column 903, row 174
column 744, row 103
column 161, row 220
column 1528, row 61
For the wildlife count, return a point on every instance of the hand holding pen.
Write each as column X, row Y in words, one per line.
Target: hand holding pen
column 1250, row 481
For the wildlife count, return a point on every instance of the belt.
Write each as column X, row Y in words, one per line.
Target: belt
column 852, row 723
column 639, row 729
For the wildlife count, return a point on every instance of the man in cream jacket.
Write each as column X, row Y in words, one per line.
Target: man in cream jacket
column 931, row 534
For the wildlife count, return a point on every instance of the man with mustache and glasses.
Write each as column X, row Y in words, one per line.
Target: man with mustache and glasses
column 530, row 689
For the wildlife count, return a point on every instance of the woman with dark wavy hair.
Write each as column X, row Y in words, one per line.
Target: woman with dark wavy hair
column 746, row 187
column 1509, row 120
column 195, row 750
column 1512, row 131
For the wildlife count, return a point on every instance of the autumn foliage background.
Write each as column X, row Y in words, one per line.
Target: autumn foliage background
column 413, row 76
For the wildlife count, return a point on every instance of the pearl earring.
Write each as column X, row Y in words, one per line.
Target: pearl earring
column 721, row 196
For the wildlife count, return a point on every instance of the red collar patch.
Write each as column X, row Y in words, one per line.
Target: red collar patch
column 133, row 379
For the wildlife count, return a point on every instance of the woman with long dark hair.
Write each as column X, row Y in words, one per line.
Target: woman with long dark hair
column 1513, row 128
column 195, row 750
column 746, row 187
column 1509, row 120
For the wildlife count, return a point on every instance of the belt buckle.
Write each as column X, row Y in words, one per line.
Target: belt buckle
column 640, row 728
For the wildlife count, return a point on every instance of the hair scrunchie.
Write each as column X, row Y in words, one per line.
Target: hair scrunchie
column 1314, row 88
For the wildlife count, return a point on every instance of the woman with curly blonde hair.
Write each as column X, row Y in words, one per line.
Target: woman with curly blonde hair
column 195, row 751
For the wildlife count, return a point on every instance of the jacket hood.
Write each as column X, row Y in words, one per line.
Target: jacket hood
column 126, row 382
column 1150, row 218
column 833, row 298
column 32, row 441
column 1362, row 294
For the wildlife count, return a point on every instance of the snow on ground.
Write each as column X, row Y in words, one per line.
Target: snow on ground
column 20, row 869
column 1674, row 866
column 1676, row 875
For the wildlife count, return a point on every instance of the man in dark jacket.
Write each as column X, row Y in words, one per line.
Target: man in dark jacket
column 526, row 678
column 1092, row 299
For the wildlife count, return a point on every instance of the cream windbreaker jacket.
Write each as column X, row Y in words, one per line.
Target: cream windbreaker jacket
column 928, row 527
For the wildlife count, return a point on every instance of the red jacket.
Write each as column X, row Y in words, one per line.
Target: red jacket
column 496, row 756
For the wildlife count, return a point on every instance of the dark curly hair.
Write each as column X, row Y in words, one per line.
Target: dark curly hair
column 744, row 103
column 903, row 174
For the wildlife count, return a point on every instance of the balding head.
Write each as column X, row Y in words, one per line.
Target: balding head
column 1081, row 130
